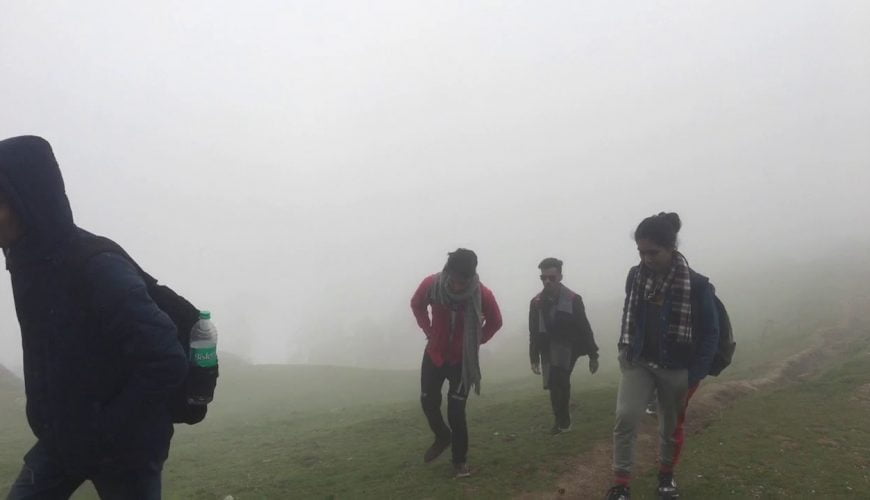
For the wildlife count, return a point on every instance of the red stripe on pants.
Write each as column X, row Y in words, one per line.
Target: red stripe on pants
column 679, row 431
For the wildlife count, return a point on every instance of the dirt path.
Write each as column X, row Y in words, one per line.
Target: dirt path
column 591, row 474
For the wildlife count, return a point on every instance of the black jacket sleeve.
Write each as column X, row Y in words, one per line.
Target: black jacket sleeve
column 586, row 339
column 534, row 335
column 142, row 335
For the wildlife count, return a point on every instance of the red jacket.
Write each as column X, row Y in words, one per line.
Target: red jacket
column 441, row 348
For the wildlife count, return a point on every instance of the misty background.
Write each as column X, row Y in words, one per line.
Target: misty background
column 299, row 167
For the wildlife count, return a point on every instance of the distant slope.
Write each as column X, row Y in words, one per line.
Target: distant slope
column 277, row 391
column 15, row 436
column 11, row 395
column 7, row 378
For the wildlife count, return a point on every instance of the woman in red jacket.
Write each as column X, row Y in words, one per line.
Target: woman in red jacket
column 464, row 315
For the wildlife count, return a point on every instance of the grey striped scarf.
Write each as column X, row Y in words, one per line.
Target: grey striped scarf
column 440, row 293
column 565, row 304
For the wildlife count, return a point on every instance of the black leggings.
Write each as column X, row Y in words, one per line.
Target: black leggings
column 431, row 381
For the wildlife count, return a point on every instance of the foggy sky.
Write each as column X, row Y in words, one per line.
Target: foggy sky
column 299, row 167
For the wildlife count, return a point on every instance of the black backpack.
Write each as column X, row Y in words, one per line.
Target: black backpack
column 179, row 310
column 725, row 352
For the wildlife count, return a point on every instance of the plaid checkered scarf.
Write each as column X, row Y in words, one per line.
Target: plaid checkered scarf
column 677, row 286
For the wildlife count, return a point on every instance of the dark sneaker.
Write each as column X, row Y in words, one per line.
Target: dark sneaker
column 563, row 430
column 555, row 429
column 461, row 470
column 667, row 489
column 619, row 492
column 651, row 409
column 436, row 450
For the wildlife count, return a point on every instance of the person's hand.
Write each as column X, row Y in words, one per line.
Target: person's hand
column 593, row 365
column 536, row 368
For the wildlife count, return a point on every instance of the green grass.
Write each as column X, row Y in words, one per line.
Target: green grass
column 349, row 433
column 325, row 432
column 807, row 440
column 15, row 436
column 379, row 454
column 329, row 432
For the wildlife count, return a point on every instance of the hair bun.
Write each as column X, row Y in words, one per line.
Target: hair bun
column 673, row 219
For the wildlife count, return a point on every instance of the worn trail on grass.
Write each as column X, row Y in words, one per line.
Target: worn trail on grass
column 590, row 473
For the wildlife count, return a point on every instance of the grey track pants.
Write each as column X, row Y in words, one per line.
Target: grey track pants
column 639, row 379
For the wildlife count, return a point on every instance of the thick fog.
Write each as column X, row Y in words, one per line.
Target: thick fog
column 299, row 167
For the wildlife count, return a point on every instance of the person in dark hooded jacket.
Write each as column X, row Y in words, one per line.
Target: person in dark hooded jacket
column 98, row 366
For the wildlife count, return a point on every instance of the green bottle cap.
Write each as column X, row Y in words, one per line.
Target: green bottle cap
column 204, row 315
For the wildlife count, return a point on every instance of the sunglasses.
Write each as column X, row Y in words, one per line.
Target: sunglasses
column 549, row 278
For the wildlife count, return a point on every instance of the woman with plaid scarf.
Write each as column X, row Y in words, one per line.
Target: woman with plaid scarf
column 669, row 336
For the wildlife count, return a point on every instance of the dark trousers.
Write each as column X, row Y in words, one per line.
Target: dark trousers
column 431, row 381
column 43, row 478
column 560, row 395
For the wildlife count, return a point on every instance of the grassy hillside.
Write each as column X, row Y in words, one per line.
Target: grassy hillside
column 808, row 440
column 323, row 432
column 367, row 450
column 377, row 453
column 14, row 433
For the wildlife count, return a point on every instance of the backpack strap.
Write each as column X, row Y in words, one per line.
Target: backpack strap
column 89, row 246
column 183, row 313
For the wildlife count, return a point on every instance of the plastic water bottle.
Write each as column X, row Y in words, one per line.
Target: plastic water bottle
column 203, row 355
